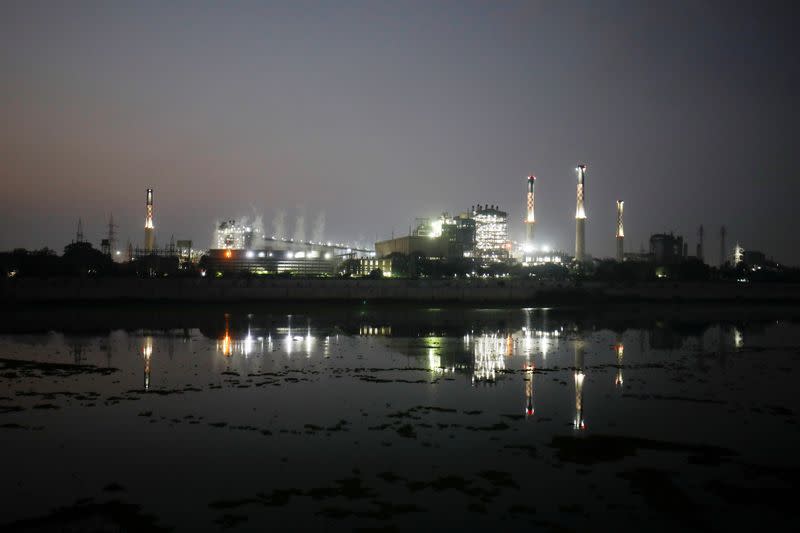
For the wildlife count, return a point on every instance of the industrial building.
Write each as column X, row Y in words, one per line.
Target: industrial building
column 233, row 236
column 430, row 247
column 754, row 258
column 491, row 233
column 545, row 255
column 667, row 249
column 445, row 237
column 270, row 262
column 366, row 265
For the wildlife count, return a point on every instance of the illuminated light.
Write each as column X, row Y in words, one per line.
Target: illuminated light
column 118, row 252
column 528, row 248
column 299, row 255
column 436, row 228
column 289, row 255
column 328, row 255
column 261, row 254
column 228, row 254
column 313, row 254
column 203, row 273
column 249, row 254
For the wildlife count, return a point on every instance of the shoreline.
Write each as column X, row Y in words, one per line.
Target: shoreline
column 421, row 291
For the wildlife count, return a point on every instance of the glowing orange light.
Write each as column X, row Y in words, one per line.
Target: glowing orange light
column 226, row 345
column 228, row 254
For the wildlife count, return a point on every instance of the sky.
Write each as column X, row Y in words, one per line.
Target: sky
column 375, row 113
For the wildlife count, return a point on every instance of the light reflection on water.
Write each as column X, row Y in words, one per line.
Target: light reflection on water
column 294, row 395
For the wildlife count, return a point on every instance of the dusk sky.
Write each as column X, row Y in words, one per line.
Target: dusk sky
column 377, row 113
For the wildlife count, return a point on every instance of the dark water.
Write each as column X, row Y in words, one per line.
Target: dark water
column 398, row 417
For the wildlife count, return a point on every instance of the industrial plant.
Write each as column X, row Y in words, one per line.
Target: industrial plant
column 472, row 242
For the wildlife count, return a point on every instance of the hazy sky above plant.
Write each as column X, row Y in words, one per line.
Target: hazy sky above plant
column 379, row 112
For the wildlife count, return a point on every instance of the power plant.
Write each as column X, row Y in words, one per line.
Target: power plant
column 479, row 235
column 530, row 220
column 620, row 232
column 580, row 218
column 149, row 229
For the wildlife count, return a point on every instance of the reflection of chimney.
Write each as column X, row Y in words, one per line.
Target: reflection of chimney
column 530, row 219
column 580, row 218
column 149, row 230
column 579, row 422
column 147, row 352
column 529, row 389
column 620, row 232
column 722, row 257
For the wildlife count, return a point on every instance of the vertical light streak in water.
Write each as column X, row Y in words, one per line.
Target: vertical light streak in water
column 579, row 422
column 488, row 358
column 147, row 353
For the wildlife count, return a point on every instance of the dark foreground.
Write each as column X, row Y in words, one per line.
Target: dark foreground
column 522, row 292
column 398, row 417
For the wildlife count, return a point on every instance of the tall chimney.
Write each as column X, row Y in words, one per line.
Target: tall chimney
column 700, row 243
column 149, row 229
column 530, row 220
column 620, row 232
column 722, row 255
column 580, row 218
column 79, row 233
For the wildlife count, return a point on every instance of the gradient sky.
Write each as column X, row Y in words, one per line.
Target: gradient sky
column 377, row 112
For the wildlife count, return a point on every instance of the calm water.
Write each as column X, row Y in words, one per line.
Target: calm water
column 398, row 417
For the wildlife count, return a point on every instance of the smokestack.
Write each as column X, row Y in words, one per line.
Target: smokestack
column 722, row 257
column 700, row 243
column 580, row 218
column 620, row 232
column 149, row 229
column 530, row 220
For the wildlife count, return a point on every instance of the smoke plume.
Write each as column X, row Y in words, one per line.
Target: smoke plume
column 279, row 224
column 318, row 232
column 300, row 226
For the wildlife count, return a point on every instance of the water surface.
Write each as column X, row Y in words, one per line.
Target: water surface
column 393, row 417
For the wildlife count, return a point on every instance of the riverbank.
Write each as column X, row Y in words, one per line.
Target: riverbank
column 49, row 290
